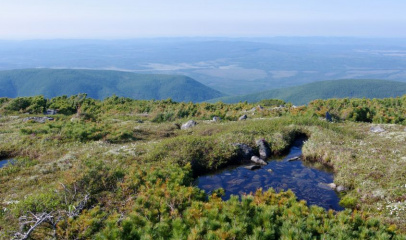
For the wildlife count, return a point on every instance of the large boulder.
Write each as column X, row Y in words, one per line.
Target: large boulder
column 257, row 160
column 264, row 149
column 244, row 151
column 243, row 117
column 188, row 124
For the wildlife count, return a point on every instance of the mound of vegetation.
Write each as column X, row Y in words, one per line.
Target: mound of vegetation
column 350, row 88
column 100, row 84
column 122, row 169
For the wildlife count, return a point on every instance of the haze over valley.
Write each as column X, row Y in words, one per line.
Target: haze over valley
column 233, row 66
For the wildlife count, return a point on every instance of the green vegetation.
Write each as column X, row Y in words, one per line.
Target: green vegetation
column 122, row 169
column 352, row 88
column 100, row 84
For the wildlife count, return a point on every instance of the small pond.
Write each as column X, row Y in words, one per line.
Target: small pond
column 307, row 182
column 3, row 162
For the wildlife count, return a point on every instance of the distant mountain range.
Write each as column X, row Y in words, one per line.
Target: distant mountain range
column 351, row 88
column 100, row 84
column 234, row 66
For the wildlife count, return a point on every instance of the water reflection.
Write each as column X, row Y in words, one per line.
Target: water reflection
column 306, row 182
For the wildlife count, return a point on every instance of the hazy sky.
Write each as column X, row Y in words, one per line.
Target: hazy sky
column 28, row 19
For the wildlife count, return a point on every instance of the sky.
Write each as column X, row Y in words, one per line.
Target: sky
column 123, row 19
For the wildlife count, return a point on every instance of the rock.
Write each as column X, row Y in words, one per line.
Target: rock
column 270, row 170
column 293, row 159
column 216, row 119
column 243, row 117
column 38, row 119
column 139, row 121
column 252, row 167
column 376, row 129
column 244, row 151
column 341, row 188
column 332, row 186
column 257, row 160
column 264, row 149
column 328, row 117
column 188, row 124
column 75, row 119
column 323, row 186
column 51, row 112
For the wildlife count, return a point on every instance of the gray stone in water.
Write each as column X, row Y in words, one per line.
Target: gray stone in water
column 264, row 149
column 332, row 186
column 293, row 159
column 377, row 129
column 257, row 160
column 243, row 117
column 188, row 124
column 244, row 151
column 252, row 167
column 341, row 188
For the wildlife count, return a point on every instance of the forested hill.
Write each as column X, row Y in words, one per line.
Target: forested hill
column 352, row 88
column 100, row 84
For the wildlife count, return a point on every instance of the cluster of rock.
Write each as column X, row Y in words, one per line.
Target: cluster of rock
column 191, row 123
column 259, row 107
column 38, row 119
column 339, row 188
column 376, row 129
column 246, row 153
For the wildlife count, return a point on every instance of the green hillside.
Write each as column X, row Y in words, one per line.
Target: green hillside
column 100, row 84
column 120, row 168
column 352, row 88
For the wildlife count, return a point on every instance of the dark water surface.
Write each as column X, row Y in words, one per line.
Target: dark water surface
column 306, row 182
column 3, row 162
